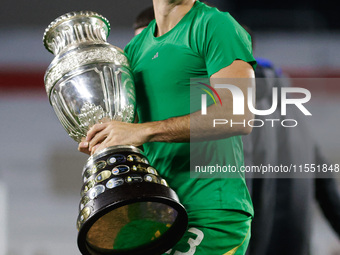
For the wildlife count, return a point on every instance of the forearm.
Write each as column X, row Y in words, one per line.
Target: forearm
column 170, row 130
column 196, row 127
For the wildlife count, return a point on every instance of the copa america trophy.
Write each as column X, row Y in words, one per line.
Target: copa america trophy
column 125, row 207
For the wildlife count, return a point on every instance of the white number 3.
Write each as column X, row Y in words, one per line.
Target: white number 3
column 193, row 243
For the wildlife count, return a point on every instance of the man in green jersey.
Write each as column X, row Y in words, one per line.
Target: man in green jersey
column 188, row 40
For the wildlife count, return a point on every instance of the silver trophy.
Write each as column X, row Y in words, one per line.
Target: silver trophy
column 125, row 207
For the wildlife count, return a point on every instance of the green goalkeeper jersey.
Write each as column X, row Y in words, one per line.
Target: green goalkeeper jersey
column 203, row 42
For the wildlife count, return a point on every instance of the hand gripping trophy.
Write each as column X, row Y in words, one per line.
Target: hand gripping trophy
column 125, row 207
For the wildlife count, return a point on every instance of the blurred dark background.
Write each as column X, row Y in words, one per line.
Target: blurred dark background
column 301, row 37
column 262, row 15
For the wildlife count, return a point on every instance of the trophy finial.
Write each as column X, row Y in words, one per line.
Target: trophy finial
column 74, row 28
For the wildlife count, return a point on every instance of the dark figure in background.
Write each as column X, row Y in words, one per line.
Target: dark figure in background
column 143, row 19
column 261, row 148
column 282, row 222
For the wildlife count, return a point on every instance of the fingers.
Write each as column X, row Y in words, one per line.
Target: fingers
column 84, row 148
column 98, row 139
column 94, row 130
column 114, row 133
column 96, row 135
column 97, row 147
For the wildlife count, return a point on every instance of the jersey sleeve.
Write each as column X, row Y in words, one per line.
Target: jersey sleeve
column 225, row 40
column 128, row 50
column 131, row 48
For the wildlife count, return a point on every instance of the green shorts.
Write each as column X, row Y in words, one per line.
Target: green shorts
column 215, row 232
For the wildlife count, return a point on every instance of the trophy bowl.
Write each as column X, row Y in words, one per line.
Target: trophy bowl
column 126, row 207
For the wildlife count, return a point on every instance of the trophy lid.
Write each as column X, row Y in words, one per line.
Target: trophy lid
column 69, row 29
